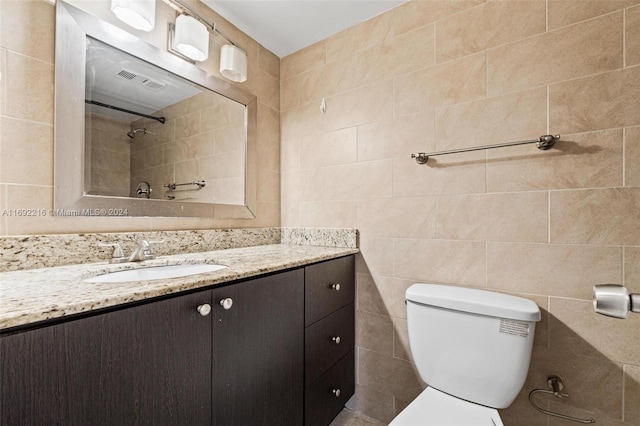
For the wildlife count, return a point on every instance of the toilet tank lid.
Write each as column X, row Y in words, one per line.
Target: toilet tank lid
column 475, row 301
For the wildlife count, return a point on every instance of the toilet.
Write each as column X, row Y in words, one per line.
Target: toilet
column 472, row 347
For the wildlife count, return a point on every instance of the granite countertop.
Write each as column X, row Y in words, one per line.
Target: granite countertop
column 41, row 294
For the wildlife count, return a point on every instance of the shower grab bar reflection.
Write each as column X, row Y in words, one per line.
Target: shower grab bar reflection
column 173, row 186
column 543, row 142
column 139, row 114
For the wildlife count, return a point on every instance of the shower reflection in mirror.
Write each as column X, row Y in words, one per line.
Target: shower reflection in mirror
column 143, row 124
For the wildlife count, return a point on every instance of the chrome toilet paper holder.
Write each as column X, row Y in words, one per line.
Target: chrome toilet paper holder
column 614, row 300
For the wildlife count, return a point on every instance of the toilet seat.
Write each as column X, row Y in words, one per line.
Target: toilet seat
column 435, row 408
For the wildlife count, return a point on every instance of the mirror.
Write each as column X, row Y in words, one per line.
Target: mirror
column 140, row 132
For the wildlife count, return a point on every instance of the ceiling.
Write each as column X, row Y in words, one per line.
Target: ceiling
column 284, row 27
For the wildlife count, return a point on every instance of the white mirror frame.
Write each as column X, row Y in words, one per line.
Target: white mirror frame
column 72, row 27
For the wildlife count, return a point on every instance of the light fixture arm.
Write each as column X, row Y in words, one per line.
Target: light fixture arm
column 211, row 27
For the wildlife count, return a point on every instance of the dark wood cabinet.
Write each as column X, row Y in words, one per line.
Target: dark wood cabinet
column 134, row 366
column 329, row 339
column 167, row 363
column 257, row 352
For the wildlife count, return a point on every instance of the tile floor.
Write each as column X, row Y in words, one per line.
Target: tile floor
column 349, row 418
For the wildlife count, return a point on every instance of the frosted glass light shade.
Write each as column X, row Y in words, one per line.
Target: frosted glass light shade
column 140, row 14
column 192, row 38
column 233, row 63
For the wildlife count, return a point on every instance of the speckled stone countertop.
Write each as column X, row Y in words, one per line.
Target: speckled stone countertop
column 41, row 294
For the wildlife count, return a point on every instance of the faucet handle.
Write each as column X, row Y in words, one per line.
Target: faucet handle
column 117, row 255
column 147, row 244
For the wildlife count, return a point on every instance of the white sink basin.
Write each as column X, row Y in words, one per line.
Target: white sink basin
column 154, row 273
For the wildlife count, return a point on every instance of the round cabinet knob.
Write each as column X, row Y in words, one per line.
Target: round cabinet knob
column 204, row 309
column 226, row 303
column 336, row 392
column 336, row 287
column 336, row 339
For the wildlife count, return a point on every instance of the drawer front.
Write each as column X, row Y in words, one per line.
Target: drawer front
column 328, row 340
column 321, row 403
column 328, row 287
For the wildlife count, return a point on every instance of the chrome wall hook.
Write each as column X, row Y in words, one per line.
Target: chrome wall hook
column 556, row 386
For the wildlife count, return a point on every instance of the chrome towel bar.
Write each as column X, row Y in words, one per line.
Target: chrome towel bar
column 173, row 186
column 543, row 142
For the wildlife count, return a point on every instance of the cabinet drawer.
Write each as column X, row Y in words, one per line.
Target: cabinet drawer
column 322, row 404
column 328, row 340
column 322, row 296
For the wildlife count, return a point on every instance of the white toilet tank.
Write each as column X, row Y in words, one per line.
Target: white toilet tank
column 472, row 344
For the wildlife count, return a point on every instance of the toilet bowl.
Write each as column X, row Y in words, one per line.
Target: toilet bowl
column 435, row 408
column 472, row 347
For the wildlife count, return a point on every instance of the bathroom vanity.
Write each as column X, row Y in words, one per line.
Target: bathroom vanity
column 272, row 349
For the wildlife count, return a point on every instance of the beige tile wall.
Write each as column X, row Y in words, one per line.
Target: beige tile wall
column 27, row 29
column 202, row 140
column 547, row 225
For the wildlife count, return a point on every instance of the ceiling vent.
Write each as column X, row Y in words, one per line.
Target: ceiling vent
column 140, row 79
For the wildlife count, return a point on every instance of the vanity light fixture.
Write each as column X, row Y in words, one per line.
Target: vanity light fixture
column 191, row 38
column 188, row 40
column 233, row 63
column 140, row 14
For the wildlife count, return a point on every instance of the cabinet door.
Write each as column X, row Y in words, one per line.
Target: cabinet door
column 145, row 365
column 258, row 352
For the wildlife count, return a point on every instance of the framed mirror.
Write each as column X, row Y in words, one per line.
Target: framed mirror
column 140, row 132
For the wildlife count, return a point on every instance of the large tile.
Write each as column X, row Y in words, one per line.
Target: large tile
column 397, row 137
column 376, row 256
column 3, row 208
column 329, row 149
column 577, row 330
column 602, row 101
column 453, row 82
column 632, row 269
column 303, row 60
column 413, row 14
column 518, row 216
column 401, row 347
column 382, row 295
column 440, row 261
column 566, row 12
column 399, row 377
column 521, row 413
column 632, row 394
column 412, row 217
column 328, row 214
column 488, row 25
column 302, row 121
column 3, row 81
column 26, row 152
column 452, row 174
column 580, row 50
column 632, row 36
column 268, row 62
column 29, row 88
column 632, row 156
column 376, row 402
column 506, row 118
column 341, row 47
column 585, row 160
column 595, row 216
column 405, row 53
column 328, row 80
column 28, row 27
column 593, row 383
column 374, row 332
column 364, row 105
column 549, row 269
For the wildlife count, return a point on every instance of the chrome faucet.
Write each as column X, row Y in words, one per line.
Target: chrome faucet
column 142, row 252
